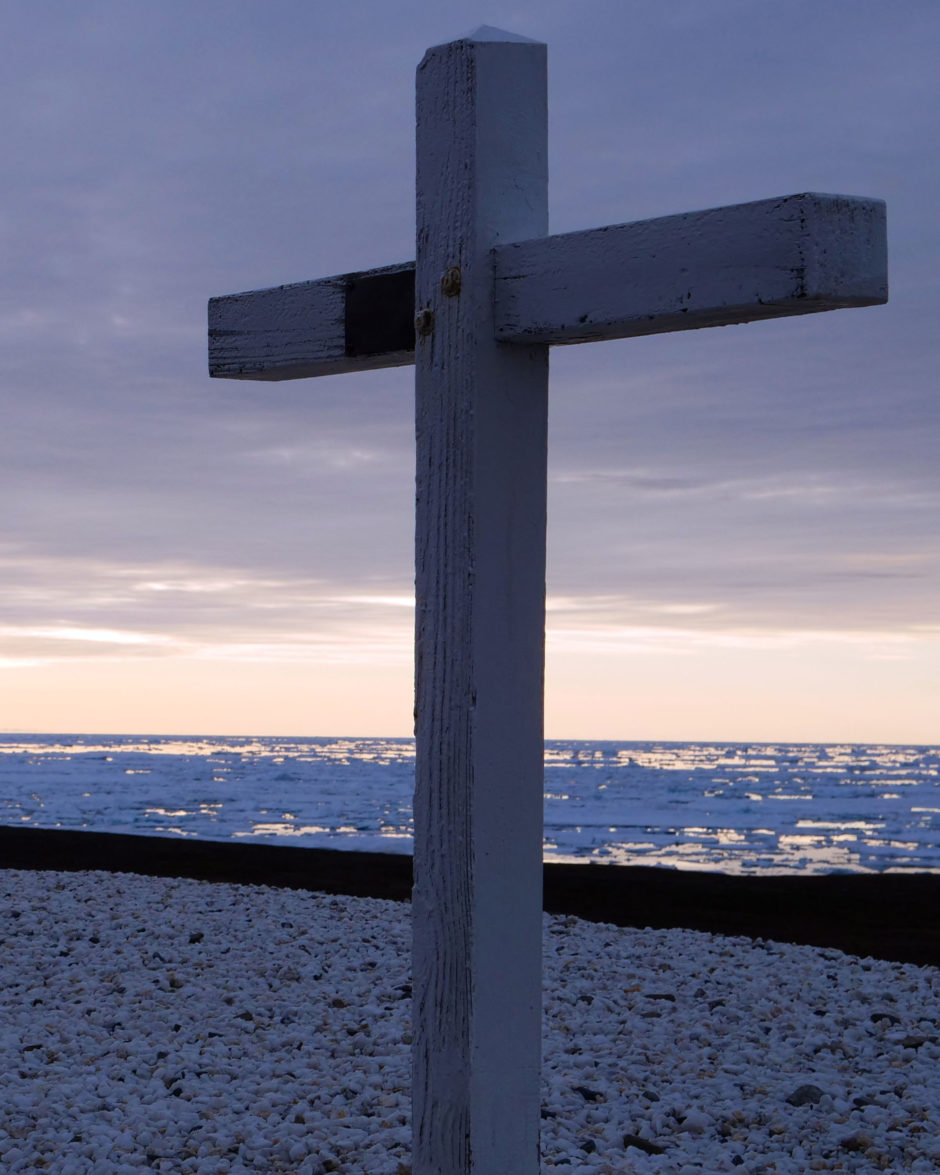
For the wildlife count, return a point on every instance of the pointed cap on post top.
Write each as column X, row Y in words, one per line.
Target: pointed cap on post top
column 486, row 33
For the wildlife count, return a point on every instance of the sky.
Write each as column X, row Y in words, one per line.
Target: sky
column 744, row 533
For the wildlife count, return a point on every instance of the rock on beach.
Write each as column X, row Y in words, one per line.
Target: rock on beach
column 201, row 1028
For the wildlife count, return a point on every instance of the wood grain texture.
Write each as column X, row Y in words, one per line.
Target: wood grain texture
column 741, row 263
column 481, row 416
column 296, row 331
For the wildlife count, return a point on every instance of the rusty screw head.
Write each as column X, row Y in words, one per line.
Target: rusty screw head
column 424, row 322
column 450, row 282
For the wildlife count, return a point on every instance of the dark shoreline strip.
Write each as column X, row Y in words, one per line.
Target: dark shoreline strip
column 888, row 916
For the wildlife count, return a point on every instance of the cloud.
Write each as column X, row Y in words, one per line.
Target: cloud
column 103, row 636
column 775, row 478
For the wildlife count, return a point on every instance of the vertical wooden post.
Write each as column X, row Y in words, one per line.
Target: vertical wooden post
column 480, row 585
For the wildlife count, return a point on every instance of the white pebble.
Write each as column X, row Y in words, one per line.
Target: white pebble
column 211, row 1073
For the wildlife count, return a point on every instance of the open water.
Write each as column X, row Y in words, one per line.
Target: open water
column 733, row 807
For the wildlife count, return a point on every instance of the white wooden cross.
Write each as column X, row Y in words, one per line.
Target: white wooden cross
column 476, row 313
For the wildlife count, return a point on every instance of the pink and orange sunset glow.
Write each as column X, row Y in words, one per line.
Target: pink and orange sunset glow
column 743, row 523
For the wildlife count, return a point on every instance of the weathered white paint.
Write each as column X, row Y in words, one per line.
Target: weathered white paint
column 481, row 418
column 487, row 274
column 770, row 258
column 793, row 255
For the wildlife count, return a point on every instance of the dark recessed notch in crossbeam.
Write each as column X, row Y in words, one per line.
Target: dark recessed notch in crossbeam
column 380, row 314
column 741, row 263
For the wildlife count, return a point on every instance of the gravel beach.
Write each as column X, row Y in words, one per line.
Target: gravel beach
column 183, row 1026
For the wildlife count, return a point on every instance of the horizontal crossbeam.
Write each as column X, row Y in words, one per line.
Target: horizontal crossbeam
column 741, row 263
column 354, row 322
